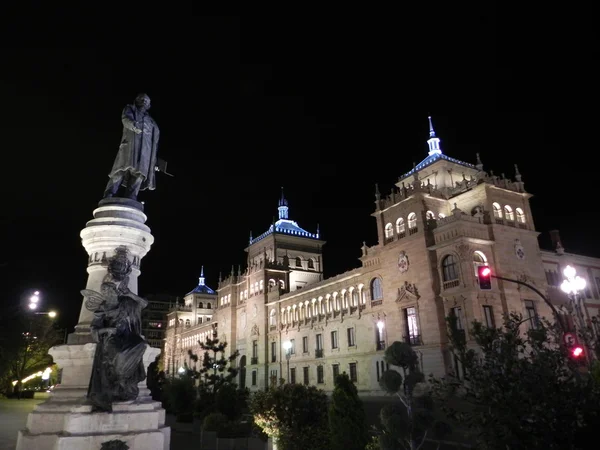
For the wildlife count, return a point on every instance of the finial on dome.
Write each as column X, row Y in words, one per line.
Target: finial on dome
column 433, row 142
column 283, row 206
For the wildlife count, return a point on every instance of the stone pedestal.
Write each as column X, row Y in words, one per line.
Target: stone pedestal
column 65, row 421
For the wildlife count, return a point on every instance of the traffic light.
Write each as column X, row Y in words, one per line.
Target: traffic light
column 484, row 274
column 577, row 352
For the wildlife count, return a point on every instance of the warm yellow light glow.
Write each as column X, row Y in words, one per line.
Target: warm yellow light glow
column 287, row 345
column 52, row 314
column 31, row 377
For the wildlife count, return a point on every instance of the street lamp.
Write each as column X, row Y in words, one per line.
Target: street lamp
column 34, row 299
column 181, row 371
column 287, row 346
column 572, row 286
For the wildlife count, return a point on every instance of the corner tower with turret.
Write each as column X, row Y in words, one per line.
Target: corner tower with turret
column 443, row 219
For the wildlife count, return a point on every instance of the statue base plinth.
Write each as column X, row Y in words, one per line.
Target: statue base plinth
column 66, row 420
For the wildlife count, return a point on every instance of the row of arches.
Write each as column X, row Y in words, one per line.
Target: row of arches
column 507, row 213
column 336, row 301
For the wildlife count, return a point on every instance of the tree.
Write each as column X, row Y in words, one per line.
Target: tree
column 24, row 346
column 215, row 369
column 347, row 421
column 293, row 415
column 520, row 391
column 408, row 424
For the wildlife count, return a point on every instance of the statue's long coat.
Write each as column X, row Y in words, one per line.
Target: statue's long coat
column 137, row 152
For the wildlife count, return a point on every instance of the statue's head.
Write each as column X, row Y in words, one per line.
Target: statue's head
column 142, row 101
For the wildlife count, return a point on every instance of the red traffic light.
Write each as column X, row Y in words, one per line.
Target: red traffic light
column 484, row 274
column 577, row 351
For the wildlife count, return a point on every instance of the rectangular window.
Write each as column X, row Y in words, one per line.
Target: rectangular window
column 351, row 337
column 336, row 371
column 411, row 327
column 320, row 376
column 255, row 349
column 319, row 341
column 334, row 339
column 531, row 314
column 353, row 373
column 305, row 373
column 293, row 375
column 273, row 351
column 305, row 344
column 254, row 374
column 488, row 315
column 274, row 379
column 460, row 322
column 293, row 347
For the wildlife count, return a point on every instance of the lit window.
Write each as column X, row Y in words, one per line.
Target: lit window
column 412, row 220
column 430, row 215
column 479, row 259
column 520, row 215
column 508, row 213
column 449, row 268
column 400, row 226
column 389, row 231
column 376, row 289
column 497, row 210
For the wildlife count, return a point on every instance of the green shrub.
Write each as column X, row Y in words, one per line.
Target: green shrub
column 215, row 422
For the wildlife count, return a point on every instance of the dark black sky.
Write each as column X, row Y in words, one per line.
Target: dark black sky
column 325, row 107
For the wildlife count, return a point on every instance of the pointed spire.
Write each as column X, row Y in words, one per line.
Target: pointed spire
column 433, row 142
column 239, row 270
column 232, row 270
column 283, row 206
column 201, row 280
column 318, row 231
column 377, row 193
column 479, row 164
column 250, row 237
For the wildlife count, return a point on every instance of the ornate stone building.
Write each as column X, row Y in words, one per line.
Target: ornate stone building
column 442, row 220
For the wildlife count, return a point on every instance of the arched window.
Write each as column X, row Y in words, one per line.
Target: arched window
column 376, row 289
column 272, row 283
column 273, row 318
column 400, row 226
column 508, row 213
column 311, row 263
column 449, row 268
column 298, row 261
column 430, row 215
column 208, row 306
column 441, row 215
column 520, row 215
column 389, row 231
column 261, row 285
column 479, row 259
column 187, row 323
column 412, row 221
column 200, row 305
column 282, row 284
column 286, row 260
column 497, row 210
column 355, row 297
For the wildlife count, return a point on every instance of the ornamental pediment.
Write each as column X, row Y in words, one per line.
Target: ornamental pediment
column 407, row 292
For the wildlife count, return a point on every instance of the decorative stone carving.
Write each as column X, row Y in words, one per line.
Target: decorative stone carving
column 403, row 262
column 519, row 250
column 408, row 290
column 464, row 251
column 118, row 365
column 255, row 331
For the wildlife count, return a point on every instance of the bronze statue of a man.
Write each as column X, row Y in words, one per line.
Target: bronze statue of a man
column 135, row 163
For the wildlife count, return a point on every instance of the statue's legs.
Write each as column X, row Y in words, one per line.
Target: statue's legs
column 134, row 184
column 114, row 182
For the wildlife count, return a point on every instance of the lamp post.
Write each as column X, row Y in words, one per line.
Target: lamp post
column 572, row 286
column 287, row 345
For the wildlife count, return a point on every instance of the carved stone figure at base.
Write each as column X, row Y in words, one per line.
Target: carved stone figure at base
column 136, row 161
column 116, row 327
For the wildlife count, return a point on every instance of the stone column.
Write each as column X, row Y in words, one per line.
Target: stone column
column 117, row 222
column 65, row 421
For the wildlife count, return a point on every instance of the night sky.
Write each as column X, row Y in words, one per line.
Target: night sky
column 324, row 107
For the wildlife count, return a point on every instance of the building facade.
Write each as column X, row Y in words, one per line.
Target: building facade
column 442, row 220
column 154, row 318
